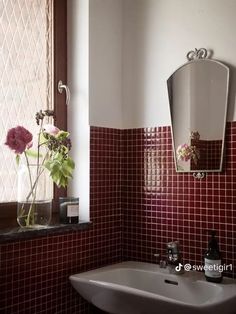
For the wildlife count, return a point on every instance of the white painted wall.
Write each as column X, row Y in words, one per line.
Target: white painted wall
column 120, row 54
column 105, row 62
column 95, row 81
column 78, row 109
column 157, row 36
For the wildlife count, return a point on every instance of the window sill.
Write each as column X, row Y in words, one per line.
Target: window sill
column 17, row 233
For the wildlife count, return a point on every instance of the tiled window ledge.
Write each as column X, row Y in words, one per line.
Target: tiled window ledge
column 15, row 234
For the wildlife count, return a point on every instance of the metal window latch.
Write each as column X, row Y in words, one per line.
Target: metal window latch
column 60, row 87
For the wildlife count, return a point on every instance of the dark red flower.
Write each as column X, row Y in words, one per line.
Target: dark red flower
column 18, row 139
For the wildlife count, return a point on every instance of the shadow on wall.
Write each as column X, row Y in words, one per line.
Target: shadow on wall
column 232, row 92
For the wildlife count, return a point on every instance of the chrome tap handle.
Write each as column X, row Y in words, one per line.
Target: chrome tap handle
column 163, row 262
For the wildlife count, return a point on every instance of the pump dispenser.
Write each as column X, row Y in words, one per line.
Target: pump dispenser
column 212, row 260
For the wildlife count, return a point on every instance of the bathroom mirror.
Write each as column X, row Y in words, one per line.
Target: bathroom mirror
column 198, row 93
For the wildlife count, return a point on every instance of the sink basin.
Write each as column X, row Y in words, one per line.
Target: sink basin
column 143, row 288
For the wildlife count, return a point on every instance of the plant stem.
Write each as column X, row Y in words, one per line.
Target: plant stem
column 38, row 147
column 34, row 183
column 30, row 177
column 33, row 187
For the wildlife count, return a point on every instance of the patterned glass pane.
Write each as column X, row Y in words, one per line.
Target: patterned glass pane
column 26, row 75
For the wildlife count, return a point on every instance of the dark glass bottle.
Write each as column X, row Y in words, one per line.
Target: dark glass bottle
column 212, row 260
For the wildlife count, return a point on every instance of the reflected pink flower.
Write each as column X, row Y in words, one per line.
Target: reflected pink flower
column 19, row 139
column 187, row 152
column 51, row 129
column 184, row 152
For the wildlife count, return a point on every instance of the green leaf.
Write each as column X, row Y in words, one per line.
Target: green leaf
column 42, row 139
column 62, row 134
column 66, row 173
column 17, row 160
column 33, row 153
column 60, row 169
column 47, row 165
column 66, row 150
column 57, row 156
column 71, row 163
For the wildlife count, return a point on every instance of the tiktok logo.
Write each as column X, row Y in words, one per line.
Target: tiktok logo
column 186, row 267
column 179, row 267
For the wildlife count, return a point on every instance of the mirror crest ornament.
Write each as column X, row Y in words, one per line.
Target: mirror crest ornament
column 198, row 94
column 197, row 54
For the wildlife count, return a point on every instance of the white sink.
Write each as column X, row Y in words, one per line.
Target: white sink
column 143, row 288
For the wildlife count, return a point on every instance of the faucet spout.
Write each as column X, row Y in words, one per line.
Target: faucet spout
column 174, row 258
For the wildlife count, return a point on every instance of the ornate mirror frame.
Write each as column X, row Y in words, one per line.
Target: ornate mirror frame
column 198, row 97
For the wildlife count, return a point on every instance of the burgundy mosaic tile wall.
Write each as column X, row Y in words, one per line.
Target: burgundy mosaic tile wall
column 209, row 152
column 160, row 205
column 138, row 204
column 34, row 273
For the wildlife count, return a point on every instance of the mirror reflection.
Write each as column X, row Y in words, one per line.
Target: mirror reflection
column 198, row 94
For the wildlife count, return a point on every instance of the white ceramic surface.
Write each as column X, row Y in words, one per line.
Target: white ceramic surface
column 143, row 288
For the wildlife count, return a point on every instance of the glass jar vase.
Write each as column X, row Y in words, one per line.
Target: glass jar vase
column 34, row 196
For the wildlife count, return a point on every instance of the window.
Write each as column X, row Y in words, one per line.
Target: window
column 32, row 60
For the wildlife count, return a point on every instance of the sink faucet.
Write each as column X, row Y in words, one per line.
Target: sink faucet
column 174, row 258
column 162, row 260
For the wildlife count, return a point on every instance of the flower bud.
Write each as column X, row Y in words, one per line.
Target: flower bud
column 50, row 129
